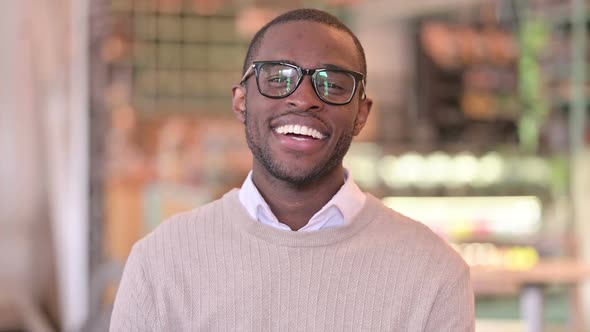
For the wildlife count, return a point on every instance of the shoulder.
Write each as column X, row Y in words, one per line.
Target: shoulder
column 405, row 235
column 178, row 242
column 185, row 220
column 182, row 228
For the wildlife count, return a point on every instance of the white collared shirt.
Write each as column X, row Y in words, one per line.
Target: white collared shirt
column 339, row 211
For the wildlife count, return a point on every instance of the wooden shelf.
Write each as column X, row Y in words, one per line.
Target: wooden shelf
column 497, row 280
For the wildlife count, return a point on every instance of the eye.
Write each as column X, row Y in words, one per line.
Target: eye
column 334, row 82
column 279, row 79
column 331, row 85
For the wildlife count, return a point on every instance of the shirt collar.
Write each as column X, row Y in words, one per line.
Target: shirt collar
column 339, row 211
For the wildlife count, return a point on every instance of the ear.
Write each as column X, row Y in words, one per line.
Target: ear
column 363, row 115
column 239, row 102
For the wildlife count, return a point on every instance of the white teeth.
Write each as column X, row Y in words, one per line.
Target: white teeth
column 306, row 131
column 299, row 130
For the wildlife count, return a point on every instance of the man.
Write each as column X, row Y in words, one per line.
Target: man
column 299, row 247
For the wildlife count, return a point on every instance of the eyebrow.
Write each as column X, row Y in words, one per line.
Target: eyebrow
column 331, row 66
column 287, row 61
column 323, row 65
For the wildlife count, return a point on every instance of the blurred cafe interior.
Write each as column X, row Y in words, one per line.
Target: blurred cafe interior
column 116, row 115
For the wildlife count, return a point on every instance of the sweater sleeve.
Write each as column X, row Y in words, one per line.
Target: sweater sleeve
column 134, row 307
column 453, row 309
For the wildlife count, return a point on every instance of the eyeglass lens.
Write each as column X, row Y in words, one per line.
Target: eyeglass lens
column 277, row 80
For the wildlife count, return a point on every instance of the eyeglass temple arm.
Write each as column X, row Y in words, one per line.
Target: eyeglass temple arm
column 248, row 72
column 364, row 96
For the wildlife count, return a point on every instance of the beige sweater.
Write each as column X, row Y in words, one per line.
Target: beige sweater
column 216, row 269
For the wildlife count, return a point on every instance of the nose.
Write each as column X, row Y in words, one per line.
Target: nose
column 305, row 97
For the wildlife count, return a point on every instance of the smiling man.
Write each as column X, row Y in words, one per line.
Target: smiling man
column 299, row 246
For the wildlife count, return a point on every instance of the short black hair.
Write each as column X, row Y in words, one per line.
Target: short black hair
column 307, row 15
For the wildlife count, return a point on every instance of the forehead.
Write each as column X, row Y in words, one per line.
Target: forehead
column 309, row 44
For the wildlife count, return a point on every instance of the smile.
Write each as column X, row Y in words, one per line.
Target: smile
column 299, row 132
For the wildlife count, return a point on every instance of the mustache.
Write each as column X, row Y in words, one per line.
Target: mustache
column 296, row 112
column 302, row 113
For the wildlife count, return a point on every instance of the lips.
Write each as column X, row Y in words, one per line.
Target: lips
column 299, row 131
column 299, row 137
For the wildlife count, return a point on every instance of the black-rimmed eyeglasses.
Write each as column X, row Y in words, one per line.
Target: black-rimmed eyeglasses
column 277, row 79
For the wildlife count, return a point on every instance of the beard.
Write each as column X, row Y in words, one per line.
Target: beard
column 295, row 176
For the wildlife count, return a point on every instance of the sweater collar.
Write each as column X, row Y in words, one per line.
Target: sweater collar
column 322, row 237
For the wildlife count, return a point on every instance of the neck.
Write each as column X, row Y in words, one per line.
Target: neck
column 295, row 204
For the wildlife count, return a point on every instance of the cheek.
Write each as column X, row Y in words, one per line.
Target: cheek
column 254, row 122
column 347, row 121
column 260, row 110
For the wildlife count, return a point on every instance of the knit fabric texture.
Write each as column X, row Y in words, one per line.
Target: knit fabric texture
column 217, row 269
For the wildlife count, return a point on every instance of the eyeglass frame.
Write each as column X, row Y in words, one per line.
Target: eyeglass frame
column 358, row 78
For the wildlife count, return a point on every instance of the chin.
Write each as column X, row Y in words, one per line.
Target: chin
column 296, row 171
column 298, row 176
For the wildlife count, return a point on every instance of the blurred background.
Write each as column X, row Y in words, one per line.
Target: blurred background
column 115, row 114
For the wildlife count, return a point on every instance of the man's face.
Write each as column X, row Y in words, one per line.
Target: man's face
column 299, row 155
